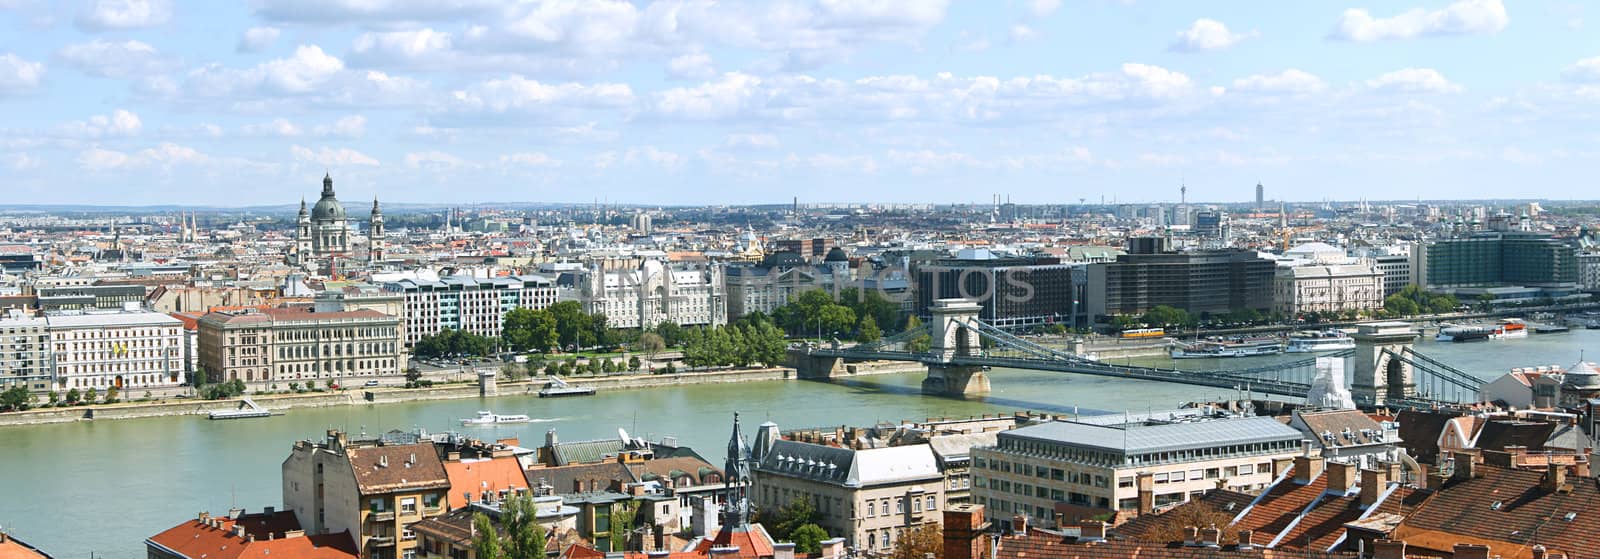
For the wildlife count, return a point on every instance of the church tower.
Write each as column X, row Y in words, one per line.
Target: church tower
column 302, row 234
column 375, row 246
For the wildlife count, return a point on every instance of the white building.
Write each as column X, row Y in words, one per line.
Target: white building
column 471, row 304
column 25, row 357
column 130, row 350
column 1317, row 277
column 655, row 293
column 1589, row 270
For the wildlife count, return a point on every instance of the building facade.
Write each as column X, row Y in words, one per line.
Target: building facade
column 654, row 293
column 1012, row 291
column 371, row 489
column 771, row 284
column 25, row 356
column 871, row 497
column 1199, row 282
column 1498, row 258
column 129, row 350
column 1396, row 269
column 469, row 304
column 297, row 344
column 1325, row 288
column 1129, row 465
column 1589, row 271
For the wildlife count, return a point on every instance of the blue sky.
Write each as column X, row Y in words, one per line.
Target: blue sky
column 696, row 101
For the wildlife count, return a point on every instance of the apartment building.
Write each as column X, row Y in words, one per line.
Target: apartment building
column 871, row 497
column 375, row 490
column 128, row 350
column 476, row 305
column 1129, row 464
column 302, row 343
column 25, row 356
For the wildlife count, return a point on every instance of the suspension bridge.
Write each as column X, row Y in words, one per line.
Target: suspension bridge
column 958, row 348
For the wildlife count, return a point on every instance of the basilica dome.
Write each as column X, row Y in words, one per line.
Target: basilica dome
column 328, row 207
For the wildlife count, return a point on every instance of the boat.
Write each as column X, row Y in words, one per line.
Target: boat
column 557, row 388
column 486, row 417
column 247, row 409
column 1550, row 329
column 1313, row 342
column 1237, row 347
column 1463, row 333
column 1510, row 328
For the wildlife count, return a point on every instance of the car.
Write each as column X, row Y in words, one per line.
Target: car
column 370, row 383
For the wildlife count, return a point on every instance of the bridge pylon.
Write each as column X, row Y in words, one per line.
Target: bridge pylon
column 952, row 337
column 1379, row 376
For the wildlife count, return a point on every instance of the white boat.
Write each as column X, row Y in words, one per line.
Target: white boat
column 1314, row 342
column 486, row 417
column 1239, row 348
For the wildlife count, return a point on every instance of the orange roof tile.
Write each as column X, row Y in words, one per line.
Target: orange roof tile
column 476, row 476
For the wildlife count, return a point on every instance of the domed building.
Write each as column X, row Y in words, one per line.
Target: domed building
column 324, row 232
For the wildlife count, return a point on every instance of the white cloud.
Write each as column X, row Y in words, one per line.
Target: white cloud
column 1206, row 34
column 277, row 127
column 308, row 70
column 103, row 15
column 1413, row 80
column 22, row 161
column 18, row 75
column 654, row 155
column 110, row 59
column 1021, row 33
column 752, row 141
column 369, row 11
column 722, row 98
column 1513, row 155
column 119, row 123
column 692, row 66
column 165, row 155
column 519, row 94
column 353, row 126
column 416, row 47
column 328, row 157
column 1586, row 70
column 1291, row 81
column 96, row 159
column 1464, row 17
column 1042, row 8
column 528, row 159
column 257, row 39
column 435, row 160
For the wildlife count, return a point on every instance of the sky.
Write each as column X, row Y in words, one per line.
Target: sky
column 207, row 102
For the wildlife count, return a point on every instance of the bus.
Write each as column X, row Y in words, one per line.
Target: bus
column 1133, row 333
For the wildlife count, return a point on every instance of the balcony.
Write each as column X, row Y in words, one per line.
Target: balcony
column 381, row 516
column 380, row 541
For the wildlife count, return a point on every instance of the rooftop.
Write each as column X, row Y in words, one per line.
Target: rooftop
column 1162, row 437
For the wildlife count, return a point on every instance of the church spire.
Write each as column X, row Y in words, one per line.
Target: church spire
column 327, row 185
column 736, row 509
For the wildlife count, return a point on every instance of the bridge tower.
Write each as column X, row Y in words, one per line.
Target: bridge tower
column 1379, row 376
column 953, row 338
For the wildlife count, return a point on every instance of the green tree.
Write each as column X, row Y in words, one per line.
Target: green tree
column 14, row 398
column 634, row 363
column 91, row 395
column 552, row 368
column 485, row 541
column 671, row 333
column 413, row 374
column 1167, row 317
column 73, row 396
column 622, row 514
column 867, row 330
column 199, row 377
column 922, row 342
column 528, row 329
column 808, row 538
column 791, row 517
column 922, row 541
column 55, row 397
column 111, row 394
column 651, row 344
column 524, row 537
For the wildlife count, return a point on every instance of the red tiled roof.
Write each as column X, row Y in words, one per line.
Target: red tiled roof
column 389, row 468
column 1283, row 503
column 1463, row 511
column 477, row 476
column 1042, row 545
column 196, row 538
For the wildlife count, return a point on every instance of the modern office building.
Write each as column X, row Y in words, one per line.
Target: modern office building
column 299, row 344
column 1589, row 271
column 469, row 304
column 83, row 297
column 1012, row 291
column 128, row 350
column 1200, row 282
column 1129, row 464
column 25, row 356
column 1396, row 270
column 1496, row 259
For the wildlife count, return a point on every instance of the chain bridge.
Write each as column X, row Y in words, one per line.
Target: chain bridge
column 959, row 349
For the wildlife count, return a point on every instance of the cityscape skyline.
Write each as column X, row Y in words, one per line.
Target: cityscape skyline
column 143, row 101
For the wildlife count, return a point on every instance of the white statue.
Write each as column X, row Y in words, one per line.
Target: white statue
column 1328, row 390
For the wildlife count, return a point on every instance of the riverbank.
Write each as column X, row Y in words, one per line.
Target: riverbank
column 281, row 402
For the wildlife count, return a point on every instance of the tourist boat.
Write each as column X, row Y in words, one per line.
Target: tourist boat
column 1210, row 349
column 486, row 417
column 1464, row 333
column 1313, row 342
column 1510, row 328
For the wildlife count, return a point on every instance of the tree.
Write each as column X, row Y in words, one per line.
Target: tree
column 651, row 344
column 671, row 333
column 413, row 374
column 867, row 331
column 91, row 395
column 808, row 538
column 73, row 396
column 524, row 537
column 485, row 540
column 552, row 368
column 14, row 398
column 622, row 514
column 1171, row 526
column 633, row 363
column 791, row 517
column 199, row 377
column 111, row 395
column 1165, row 316
column 528, row 329
column 54, row 397
column 919, row 542
column 921, row 343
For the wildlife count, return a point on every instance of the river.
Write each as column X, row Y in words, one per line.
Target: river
column 103, row 487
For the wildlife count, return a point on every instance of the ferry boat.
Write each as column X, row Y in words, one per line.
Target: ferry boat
column 558, row 388
column 1510, row 328
column 1326, row 340
column 1506, row 329
column 1211, row 349
column 486, row 417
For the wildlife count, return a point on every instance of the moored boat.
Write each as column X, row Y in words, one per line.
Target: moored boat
column 486, row 417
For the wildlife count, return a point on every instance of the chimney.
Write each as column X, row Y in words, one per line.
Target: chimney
column 1281, row 465
column 1581, row 468
column 1538, row 551
column 1019, row 524
column 964, row 531
column 238, row 531
column 268, row 510
column 1146, row 483
column 383, row 460
column 1191, row 536
column 1211, row 537
column 783, row 551
column 2, row 537
column 1341, row 476
column 832, row 549
column 1247, row 539
column 1091, row 530
column 1373, row 484
column 1555, row 477
column 1470, row 551
column 1307, row 468
column 1466, row 465
column 1388, row 549
column 1392, row 467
